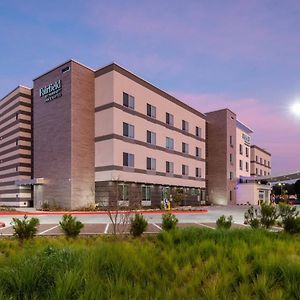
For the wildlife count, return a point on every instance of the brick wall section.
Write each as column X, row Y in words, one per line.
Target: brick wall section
column 83, row 136
column 220, row 126
column 64, row 137
column 52, row 139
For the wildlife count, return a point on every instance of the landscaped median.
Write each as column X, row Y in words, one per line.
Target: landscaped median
column 186, row 263
column 99, row 212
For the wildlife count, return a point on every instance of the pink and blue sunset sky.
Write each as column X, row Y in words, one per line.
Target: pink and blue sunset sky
column 211, row 54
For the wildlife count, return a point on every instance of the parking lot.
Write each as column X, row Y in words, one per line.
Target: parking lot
column 99, row 222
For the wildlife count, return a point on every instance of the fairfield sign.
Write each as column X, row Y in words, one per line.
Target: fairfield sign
column 52, row 91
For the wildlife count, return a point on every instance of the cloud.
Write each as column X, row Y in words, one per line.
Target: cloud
column 274, row 127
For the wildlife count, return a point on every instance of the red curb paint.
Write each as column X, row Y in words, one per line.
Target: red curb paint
column 22, row 213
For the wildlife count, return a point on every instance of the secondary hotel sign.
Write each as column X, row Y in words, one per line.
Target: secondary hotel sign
column 52, row 91
column 247, row 139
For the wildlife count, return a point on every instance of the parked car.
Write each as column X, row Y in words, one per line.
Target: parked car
column 2, row 224
column 294, row 201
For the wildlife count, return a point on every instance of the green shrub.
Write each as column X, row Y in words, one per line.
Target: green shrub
column 289, row 218
column 252, row 217
column 70, row 225
column 45, row 206
column 138, row 225
column 169, row 221
column 291, row 225
column 223, row 223
column 269, row 215
column 26, row 228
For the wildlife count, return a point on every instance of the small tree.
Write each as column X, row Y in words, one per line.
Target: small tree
column 70, row 226
column 223, row 223
column 138, row 225
column 297, row 188
column 26, row 228
column 169, row 221
column 269, row 215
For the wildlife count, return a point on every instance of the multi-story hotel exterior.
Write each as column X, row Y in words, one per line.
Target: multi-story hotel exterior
column 81, row 136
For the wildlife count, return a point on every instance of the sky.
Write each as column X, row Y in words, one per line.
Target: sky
column 211, row 54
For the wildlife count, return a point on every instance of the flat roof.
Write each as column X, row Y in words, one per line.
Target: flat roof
column 19, row 86
column 243, row 127
column 115, row 67
column 261, row 149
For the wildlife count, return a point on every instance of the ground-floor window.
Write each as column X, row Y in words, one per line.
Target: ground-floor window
column 146, row 193
column 123, row 192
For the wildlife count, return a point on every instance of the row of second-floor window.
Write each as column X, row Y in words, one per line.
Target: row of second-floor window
column 128, row 131
column 262, row 161
column 128, row 161
column 242, row 166
column 128, row 101
column 261, row 172
column 242, row 150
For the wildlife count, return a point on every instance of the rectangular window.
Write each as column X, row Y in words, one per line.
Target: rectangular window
column 146, row 193
column 260, row 160
column 241, row 165
column 230, row 175
column 268, row 163
column 128, row 101
column 123, row 192
column 230, row 195
column 185, row 126
column 151, row 111
column 185, row 170
column 169, row 167
column 256, row 171
column 265, row 162
column 231, row 140
column 128, row 159
column 198, row 131
column 151, row 163
column 247, row 152
column 151, row 137
column 260, row 172
column 198, row 152
column 198, row 172
column 169, row 119
column 241, row 149
column 256, row 158
column 185, row 148
column 247, row 166
column 169, row 143
column 230, row 158
column 128, row 130
column 265, row 173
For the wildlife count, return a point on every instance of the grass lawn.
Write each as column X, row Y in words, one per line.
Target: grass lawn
column 188, row 263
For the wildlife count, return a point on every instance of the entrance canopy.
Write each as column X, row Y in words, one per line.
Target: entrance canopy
column 272, row 178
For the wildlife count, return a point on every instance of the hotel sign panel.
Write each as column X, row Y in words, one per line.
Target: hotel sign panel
column 52, row 91
column 247, row 139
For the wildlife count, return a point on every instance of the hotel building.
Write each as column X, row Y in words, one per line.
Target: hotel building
column 81, row 136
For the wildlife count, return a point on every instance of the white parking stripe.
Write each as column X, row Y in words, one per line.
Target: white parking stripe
column 106, row 228
column 156, row 226
column 43, row 232
column 210, row 227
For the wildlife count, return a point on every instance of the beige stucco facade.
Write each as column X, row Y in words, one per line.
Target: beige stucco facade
column 260, row 162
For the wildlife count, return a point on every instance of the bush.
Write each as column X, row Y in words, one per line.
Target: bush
column 169, row 221
column 138, row 225
column 45, row 206
column 70, row 226
column 252, row 217
column 269, row 215
column 289, row 217
column 223, row 223
column 26, row 228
